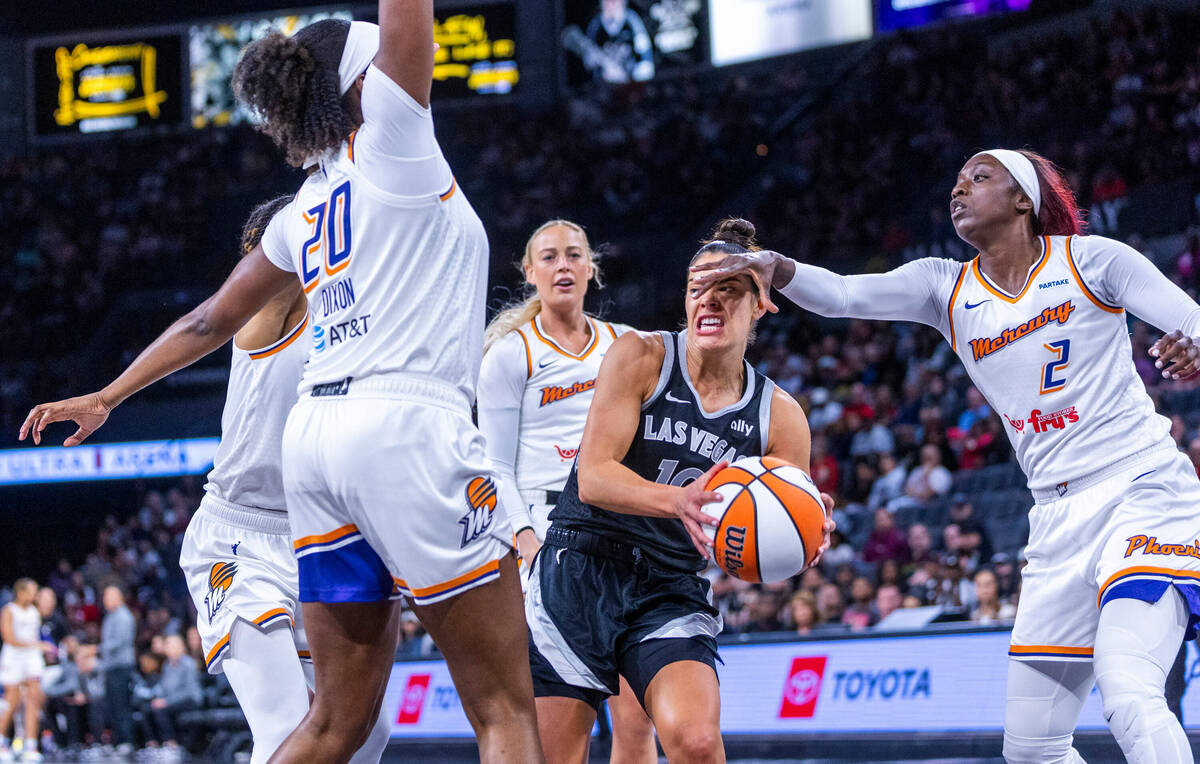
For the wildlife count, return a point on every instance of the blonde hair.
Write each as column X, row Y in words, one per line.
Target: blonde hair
column 523, row 311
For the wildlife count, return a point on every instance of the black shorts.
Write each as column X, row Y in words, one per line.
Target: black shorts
column 598, row 610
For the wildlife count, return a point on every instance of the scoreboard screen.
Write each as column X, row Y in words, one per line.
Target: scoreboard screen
column 99, row 85
column 214, row 50
column 897, row 14
column 619, row 41
column 477, row 52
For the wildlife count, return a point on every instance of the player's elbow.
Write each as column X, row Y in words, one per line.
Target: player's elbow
column 590, row 484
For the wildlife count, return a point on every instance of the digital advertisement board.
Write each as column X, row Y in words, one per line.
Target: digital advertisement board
column 103, row 84
column 897, row 14
column 618, row 41
column 939, row 682
column 214, row 49
column 107, row 461
column 745, row 30
column 477, row 53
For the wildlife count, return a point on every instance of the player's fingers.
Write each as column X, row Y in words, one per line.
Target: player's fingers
column 827, row 500
column 1168, row 347
column 712, row 265
column 699, row 540
column 713, row 470
column 30, row 418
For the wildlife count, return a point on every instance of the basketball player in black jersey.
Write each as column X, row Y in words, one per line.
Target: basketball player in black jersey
column 616, row 587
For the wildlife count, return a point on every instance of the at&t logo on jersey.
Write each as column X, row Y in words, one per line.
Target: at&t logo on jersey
column 984, row 346
column 351, row 328
column 481, row 497
column 555, row 394
column 567, row 454
column 803, row 688
column 220, row 576
column 1039, row 422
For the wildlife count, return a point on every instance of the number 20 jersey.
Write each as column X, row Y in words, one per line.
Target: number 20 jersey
column 395, row 284
column 1055, row 362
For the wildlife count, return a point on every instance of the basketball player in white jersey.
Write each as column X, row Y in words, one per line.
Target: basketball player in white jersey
column 387, row 485
column 540, row 362
column 21, row 666
column 1038, row 319
column 237, row 551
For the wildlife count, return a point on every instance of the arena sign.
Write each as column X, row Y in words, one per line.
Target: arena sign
column 873, row 683
column 107, row 461
column 745, row 30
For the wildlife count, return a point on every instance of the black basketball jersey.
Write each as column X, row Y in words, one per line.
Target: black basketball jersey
column 676, row 442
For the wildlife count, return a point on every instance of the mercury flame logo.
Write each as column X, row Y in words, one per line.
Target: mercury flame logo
column 219, row 579
column 481, row 497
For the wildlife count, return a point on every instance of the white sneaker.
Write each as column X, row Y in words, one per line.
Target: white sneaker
column 6, row 754
column 31, row 756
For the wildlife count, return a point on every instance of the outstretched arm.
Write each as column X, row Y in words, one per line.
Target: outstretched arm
column 406, row 45
column 209, row 326
column 912, row 292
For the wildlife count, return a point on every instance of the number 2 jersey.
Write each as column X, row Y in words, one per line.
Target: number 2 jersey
column 390, row 253
column 676, row 442
column 1054, row 360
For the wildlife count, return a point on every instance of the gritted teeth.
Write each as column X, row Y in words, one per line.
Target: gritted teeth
column 710, row 322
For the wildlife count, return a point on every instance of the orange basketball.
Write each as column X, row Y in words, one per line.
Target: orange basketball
column 771, row 519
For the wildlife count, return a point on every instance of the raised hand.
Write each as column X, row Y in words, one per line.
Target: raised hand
column 762, row 266
column 88, row 411
column 1178, row 356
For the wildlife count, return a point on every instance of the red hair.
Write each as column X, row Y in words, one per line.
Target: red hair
column 1060, row 214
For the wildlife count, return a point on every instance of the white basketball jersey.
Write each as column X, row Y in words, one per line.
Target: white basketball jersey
column 1056, row 363
column 396, row 284
column 558, row 391
column 247, row 468
column 26, row 623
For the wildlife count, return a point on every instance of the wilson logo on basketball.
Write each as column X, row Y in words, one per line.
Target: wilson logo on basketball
column 735, row 544
column 481, row 497
column 566, row 454
column 555, row 394
column 413, row 699
column 803, row 688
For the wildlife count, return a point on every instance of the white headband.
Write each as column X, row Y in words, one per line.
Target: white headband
column 1019, row 166
column 362, row 43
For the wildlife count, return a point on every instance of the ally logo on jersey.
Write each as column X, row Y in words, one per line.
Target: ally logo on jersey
column 481, row 498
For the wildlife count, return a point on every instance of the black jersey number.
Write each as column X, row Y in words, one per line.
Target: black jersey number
column 668, row 476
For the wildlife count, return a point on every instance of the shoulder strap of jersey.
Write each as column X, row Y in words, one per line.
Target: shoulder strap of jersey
column 767, row 391
column 528, row 354
column 664, row 373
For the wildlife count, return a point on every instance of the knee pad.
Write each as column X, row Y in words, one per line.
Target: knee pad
column 1134, row 715
column 1040, row 750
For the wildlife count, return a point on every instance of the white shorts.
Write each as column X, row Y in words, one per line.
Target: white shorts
column 1129, row 530
column 20, row 664
column 239, row 564
column 390, row 493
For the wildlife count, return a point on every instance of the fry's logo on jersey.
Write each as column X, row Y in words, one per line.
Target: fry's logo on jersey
column 1150, row 545
column 566, row 454
column 555, row 394
column 983, row 347
column 481, row 497
column 220, row 576
column 1039, row 422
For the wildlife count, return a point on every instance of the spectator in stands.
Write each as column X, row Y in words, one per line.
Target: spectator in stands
column 977, row 410
column 929, row 479
column 971, row 543
column 890, row 484
column 886, row 541
column 889, row 573
column 147, row 685
column 804, row 612
column 858, row 613
column 117, row 661
column 178, row 690
column 989, row 608
column 870, row 437
column 1008, row 579
column 954, row 589
column 830, row 603
column 839, row 553
column 762, row 611
column 824, row 466
column 887, row 601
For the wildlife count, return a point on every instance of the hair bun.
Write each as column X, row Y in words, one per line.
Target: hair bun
column 736, row 231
